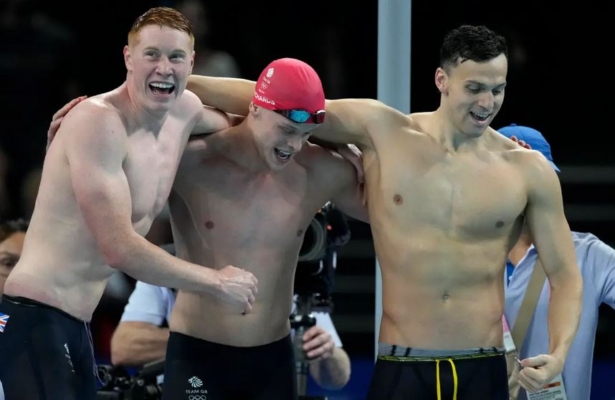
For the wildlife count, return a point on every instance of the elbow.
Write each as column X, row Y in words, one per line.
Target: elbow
column 116, row 252
column 115, row 257
column 568, row 281
column 334, row 372
column 337, row 382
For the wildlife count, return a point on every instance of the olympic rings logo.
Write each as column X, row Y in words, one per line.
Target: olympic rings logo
column 197, row 397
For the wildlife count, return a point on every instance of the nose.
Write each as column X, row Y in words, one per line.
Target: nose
column 164, row 66
column 486, row 100
column 296, row 142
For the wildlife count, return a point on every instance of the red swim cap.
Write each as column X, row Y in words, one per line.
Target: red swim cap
column 289, row 84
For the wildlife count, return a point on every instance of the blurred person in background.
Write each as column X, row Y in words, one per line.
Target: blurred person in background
column 12, row 234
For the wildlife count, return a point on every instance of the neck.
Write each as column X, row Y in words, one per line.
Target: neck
column 448, row 135
column 242, row 149
column 520, row 248
column 137, row 113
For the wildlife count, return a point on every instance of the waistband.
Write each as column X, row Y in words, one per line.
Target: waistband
column 390, row 352
column 197, row 342
column 26, row 302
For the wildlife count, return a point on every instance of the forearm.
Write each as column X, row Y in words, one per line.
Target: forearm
column 333, row 372
column 230, row 95
column 138, row 346
column 149, row 263
column 564, row 312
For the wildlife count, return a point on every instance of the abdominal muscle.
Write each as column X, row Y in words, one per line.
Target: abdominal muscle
column 438, row 298
column 205, row 317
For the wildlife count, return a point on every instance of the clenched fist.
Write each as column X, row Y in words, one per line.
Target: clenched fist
column 538, row 371
column 239, row 288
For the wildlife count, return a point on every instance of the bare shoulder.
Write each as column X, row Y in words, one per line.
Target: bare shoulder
column 420, row 125
column 531, row 163
column 387, row 116
column 312, row 155
column 322, row 162
column 95, row 123
column 188, row 104
column 510, row 150
column 93, row 115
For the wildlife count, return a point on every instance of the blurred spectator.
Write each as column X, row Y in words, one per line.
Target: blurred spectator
column 12, row 234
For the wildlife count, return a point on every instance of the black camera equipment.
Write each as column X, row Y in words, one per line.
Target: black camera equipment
column 119, row 385
column 314, row 278
column 328, row 231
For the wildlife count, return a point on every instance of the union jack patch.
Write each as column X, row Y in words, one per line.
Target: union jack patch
column 4, row 319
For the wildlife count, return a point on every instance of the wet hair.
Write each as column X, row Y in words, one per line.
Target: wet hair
column 469, row 42
column 8, row 228
column 162, row 17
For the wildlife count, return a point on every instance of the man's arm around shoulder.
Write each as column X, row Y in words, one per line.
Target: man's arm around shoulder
column 206, row 119
column 346, row 121
column 362, row 122
column 231, row 95
column 555, row 247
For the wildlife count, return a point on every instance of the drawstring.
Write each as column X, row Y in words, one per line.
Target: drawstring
column 87, row 329
column 450, row 360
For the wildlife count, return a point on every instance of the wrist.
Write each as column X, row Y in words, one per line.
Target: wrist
column 214, row 282
column 559, row 357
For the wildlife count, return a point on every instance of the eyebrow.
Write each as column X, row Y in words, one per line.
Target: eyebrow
column 471, row 82
column 8, row 253
column 157, row 49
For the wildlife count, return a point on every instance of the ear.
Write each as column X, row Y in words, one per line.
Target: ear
column 127, row 59
column 192, row 60
column 441, row 79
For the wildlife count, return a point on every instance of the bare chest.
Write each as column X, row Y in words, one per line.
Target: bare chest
column 150, row 169
column 247, row 210
column 462, row 197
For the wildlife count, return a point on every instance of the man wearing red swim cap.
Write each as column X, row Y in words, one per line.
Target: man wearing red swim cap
column 447, row 197
column 245, row 197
